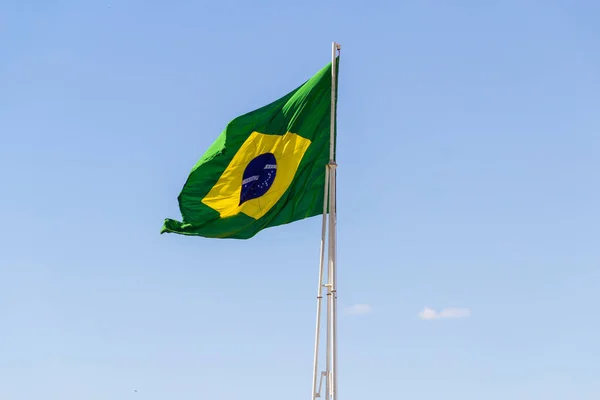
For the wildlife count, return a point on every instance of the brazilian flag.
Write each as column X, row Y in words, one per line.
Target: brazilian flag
column 267, row 168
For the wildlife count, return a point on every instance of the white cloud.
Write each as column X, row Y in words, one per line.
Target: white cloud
column 430, row 313
column 359, row 309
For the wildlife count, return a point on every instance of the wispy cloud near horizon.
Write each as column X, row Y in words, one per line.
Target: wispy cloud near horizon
column 431, row 314
column 358, row 309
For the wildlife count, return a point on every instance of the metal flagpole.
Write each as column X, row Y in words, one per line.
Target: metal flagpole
column 329, row 199
column 320, row 286
column 332, row 285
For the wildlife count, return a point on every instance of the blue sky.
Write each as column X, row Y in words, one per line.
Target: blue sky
column 468, row 181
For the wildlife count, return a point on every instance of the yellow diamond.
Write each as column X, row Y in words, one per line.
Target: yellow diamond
column 288, row 150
